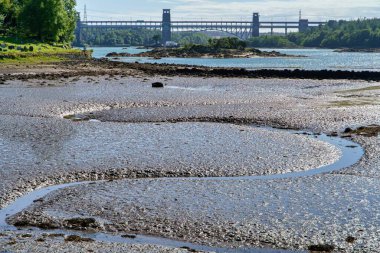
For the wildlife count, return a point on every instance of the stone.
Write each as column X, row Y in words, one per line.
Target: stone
column 77, row 238
column 350, row 239
column 78, row 223
column 129, row 236
column 157, row 85
column 321, row 248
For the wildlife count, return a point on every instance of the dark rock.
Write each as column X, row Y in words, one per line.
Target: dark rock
column 189, row 249
column 129, row 236
column 21, row 223
column 12, row 242
column 350, row 239
column 47, row 225
column 347, row 130
column 77, row 238
column 38, row 200
column 157, row 85
column 114, row 54
column 367, row 131
column 321, row 248
column 80, row 223
column 55, row 235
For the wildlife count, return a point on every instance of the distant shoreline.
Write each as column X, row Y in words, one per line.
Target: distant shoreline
column 96, row 67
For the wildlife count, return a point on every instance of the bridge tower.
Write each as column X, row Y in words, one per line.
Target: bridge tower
column 166, row 26
column 256, row 25
column 303, row 24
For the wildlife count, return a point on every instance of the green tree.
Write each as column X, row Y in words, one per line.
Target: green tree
column 270, row 41
column 49, row 20
column 362, row 33
column 227, row 43
column 157, row 38
column 9, row 12
column 189, row 38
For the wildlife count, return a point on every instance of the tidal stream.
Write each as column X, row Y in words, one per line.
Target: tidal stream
column 351, row 154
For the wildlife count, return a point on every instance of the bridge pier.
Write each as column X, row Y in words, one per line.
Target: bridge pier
column 271, row 29
column 166, row 26
column 256, row 25
column 78, row 31
column 303, row 25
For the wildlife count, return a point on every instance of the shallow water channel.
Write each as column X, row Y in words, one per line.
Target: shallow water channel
column 351, row 154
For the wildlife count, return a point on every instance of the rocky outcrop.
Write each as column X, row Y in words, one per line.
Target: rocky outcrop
column 205, row 53
column 358, row 50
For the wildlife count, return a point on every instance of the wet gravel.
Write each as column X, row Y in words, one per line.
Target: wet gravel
column 307, row 104
column 39, row 148
column 51, row 243
column 283, row 213
column 57, row 150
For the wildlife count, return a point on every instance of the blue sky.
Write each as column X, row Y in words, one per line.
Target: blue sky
column 318, row 10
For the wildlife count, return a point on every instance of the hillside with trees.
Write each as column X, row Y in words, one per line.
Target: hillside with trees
column 363, row 33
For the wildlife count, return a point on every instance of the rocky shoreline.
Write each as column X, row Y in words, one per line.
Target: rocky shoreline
column 358, row 50
column 159, row 53
column 99, row 67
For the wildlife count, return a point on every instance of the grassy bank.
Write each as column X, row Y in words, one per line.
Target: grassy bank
column 17, row 51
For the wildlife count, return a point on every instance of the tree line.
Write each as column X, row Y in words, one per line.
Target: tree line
column 42, row 20
column 214, row 45
column 136, row 37
column 362, row 33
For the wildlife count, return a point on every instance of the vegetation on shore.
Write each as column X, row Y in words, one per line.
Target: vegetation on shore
column 229, row 47
column 137, row 37
column 362, row 33
column 37, row 30
column 42, row 20
column 31, row 51
column 271, row 42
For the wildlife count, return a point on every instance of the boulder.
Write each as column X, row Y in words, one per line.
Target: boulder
column 157, row 85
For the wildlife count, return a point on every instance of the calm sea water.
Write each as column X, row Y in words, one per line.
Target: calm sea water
column 316, row 59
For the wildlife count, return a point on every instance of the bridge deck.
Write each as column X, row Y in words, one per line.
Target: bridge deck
column 191, row 23
column 186, row 25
